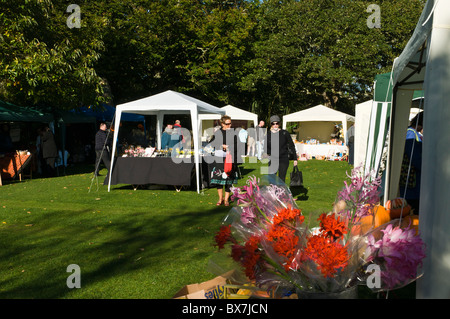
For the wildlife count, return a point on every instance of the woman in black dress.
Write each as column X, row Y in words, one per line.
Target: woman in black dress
column 224, row 141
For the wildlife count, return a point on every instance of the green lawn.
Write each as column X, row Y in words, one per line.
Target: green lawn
column 146, row 243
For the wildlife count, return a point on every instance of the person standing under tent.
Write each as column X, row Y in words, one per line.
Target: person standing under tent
column 410, row 173
column 6, row 144
column 277, row 144
column 260, row 136
column 251, row 141
column 350, row 142
column 49, row 151
column 102, row 145
column 177, row 138
column 243, row 135
column 166, row 137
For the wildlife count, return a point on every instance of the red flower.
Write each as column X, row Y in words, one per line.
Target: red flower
column 250, row 262
column 223, row 236
column 237, row 252
column 284, row 242
column 251, row 256
column 330, row 256
column 332, row 226
column 288, row 214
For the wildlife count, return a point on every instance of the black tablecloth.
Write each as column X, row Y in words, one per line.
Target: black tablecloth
column 162, row 170
column 147, row 170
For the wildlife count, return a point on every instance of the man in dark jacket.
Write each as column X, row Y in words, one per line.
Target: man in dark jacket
column 102, row 142
column 49, row 151
column 278, row 144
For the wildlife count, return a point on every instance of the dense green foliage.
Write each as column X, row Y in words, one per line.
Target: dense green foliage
column 264, row 56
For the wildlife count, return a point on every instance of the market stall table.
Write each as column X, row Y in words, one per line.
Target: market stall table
column 151, row 170
column 318, row 150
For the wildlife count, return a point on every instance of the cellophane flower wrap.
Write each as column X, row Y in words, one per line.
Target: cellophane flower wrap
column 266, row 237
column 396, row 250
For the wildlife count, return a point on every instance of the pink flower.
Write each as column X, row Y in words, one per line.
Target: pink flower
column 245, row 193
column 360, row 195
column 248, row 214
column 399, row 252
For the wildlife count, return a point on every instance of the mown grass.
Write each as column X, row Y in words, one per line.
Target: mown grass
column 144, row 243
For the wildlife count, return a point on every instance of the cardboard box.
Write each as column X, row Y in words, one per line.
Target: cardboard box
column 211, row 289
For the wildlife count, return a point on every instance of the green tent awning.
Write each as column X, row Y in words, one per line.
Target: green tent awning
column 14, row 113
column 383, row 88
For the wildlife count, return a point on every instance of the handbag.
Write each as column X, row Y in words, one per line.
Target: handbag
column 296, row 178
column 228, row 165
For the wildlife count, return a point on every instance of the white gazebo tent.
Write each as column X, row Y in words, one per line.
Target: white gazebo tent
column 232, row 111
column 425, row 64
column 320, row 113
column 168, row 102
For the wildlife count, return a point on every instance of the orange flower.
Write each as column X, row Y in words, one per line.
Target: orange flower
column 332, row 226
column 288, row 214
column 330, row 256
column 284, row 242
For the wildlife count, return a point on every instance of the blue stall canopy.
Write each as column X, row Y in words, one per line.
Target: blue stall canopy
column 108, row 113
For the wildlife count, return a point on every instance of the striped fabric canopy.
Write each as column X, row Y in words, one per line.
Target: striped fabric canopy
column 379, row 124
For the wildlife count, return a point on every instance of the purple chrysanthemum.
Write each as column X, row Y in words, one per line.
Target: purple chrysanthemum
column 399, row 252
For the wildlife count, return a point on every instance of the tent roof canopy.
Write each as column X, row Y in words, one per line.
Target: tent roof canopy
column 234, row 112
column 107, row 114
column 383, row 86
column 75, row 117
column 239, row 114
column 14, row 113
column 317, row 113
column 169, row 102
column 409, row 67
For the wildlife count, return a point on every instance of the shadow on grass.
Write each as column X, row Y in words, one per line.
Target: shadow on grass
column 139, row 242
column 245, row 171
column 300, row 193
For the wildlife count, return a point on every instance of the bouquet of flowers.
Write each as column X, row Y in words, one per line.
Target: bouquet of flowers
column 266, row 236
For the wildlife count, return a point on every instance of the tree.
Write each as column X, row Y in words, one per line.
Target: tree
column 218, row 50
column 317, row 51
column 145, row 47
column 45, row 62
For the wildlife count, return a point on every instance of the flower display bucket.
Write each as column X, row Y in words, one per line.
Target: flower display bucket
column 350, row 293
